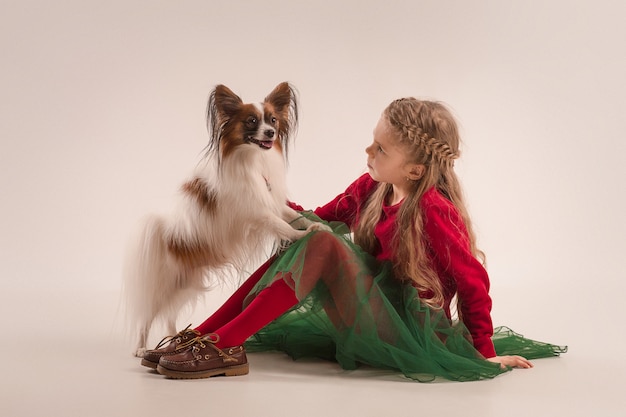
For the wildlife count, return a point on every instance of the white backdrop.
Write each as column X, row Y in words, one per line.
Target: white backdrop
column 102, row 118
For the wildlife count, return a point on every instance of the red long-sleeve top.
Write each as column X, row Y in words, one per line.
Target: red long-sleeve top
column 448, row 246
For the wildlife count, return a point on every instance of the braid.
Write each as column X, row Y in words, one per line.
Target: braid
column 422, row 134
column 433, row 147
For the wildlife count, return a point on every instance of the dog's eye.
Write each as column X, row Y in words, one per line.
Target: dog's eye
column 273, row 120
column 252, row 120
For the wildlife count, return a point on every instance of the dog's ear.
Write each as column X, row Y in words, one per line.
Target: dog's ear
column 284, row 98
column 222, row 106
column 281, row 97
column 226, row 102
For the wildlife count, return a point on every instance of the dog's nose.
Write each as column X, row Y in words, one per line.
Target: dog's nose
column 269, row 133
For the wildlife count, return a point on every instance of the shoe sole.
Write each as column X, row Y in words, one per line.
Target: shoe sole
column 228, row 371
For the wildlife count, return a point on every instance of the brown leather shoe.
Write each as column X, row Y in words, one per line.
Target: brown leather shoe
column 204, row 360
column 170, row 345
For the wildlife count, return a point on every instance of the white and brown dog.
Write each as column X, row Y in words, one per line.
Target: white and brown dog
column 233, row 205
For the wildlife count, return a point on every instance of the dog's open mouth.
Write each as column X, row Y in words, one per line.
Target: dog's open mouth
column 263, row 144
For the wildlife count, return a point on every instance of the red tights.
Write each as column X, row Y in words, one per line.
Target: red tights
column 325, row 259
column 233, row 325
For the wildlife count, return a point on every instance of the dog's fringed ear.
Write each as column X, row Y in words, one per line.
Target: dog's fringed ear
column 280, row 97
column 284, row 98
column 226, row 102
column 222, row 105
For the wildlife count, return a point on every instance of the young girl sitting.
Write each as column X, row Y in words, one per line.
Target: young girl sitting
column 384, row 300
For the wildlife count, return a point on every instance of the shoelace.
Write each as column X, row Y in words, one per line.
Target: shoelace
column 168, row 339
column 212, row 339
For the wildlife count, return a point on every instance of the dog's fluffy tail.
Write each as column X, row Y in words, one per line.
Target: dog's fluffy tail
column 149, row 282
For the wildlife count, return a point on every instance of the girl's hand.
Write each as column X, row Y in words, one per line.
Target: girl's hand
column 512, row 361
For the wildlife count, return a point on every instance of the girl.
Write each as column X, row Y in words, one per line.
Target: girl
column 385, row 299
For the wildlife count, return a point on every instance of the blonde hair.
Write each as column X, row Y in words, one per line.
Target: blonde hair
column 429, row 134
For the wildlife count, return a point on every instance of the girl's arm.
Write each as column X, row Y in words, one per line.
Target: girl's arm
column 448, row 239
column 345, row 207
column 450, row 243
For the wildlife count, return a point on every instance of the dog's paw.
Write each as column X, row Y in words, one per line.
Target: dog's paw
column 140, row 352
column 321, row 227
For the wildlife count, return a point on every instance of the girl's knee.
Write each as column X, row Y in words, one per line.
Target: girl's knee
column 325, row 242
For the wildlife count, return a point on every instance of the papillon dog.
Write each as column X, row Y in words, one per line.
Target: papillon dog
column 232, row 207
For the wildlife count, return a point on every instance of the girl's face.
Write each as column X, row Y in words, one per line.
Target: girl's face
column 386, row 159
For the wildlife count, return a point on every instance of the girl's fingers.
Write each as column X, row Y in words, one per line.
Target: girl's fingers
column 522, row 362
column 512, row 361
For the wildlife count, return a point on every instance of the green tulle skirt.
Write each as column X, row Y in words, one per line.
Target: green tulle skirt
column 360, row 314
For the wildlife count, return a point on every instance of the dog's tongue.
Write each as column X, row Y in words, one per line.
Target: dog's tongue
column 267, row 144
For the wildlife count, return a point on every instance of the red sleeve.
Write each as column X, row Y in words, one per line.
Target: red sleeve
column 347, row 205
column 448, row 239
column 295, row 206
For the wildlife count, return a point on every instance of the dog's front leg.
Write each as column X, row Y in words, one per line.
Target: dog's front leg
column 300, row 222
column 282, row 229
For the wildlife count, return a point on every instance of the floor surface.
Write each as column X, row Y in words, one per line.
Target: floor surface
column 68, row 356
